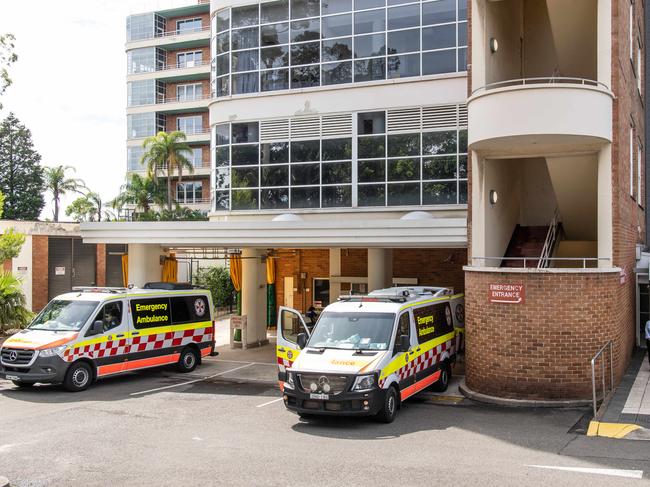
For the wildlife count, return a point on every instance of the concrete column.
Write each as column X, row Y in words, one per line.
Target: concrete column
column 144, row 263
column 335, row 271
column 380, row 268
column 605, row 231
column 253, row 293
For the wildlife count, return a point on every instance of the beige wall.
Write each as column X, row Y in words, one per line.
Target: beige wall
column 504, row 24
column 537, row 196
column 500, row 219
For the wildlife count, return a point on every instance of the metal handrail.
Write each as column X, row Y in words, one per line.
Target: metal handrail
column 181, row 99
column 167, row 67
column 171, row 33
column 525, row 260
column 550, row 80
column 196, row 132
column 609, row 345
column 549, row 243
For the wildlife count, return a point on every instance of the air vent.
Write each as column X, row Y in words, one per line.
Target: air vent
column 305, row 128
column 437, row 117
column 462, row 115
column 337, row 125
column 407, row 119
column 274, row 130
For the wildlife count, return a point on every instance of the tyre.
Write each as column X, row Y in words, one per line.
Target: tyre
column 388, row 412
column 189, row 360
column 23, row 384
column 445, row 376
column 78, row 378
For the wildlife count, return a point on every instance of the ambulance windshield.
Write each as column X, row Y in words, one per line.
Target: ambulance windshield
column 353, row 331
column 60, row 315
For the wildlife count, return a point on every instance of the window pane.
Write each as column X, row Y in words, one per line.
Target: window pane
column 244, row 83
column 337, row 26
column 223, row 20
column 439, row 193
column 305, row 30
column 337, row 172
column 372, row 195
column 273, row 199
column 403, row 17
column 305, row 197
column 439, row 37
column 371, row 147
column 403, row 145
column 370, row 69
column 462, row 141
column 222, row 178
column 307, row 53
column 404, row 194
column 245, row 38
column 337, row 73
column 221, row 200
column 275, row 175
column 243, row 155
column 223, row 64
column 337, row 50
column 337, row 196
column 439, row 142
column 462, row 192
column 439, row 62
column 371, row 123
column 244, row 199
column 439, row 12
column 305, row 76
column 372, row 171
column 244, row 177
column 244, row 16
column 403, row 41
column 335, row 6
column 364, row 4
column 223, row 42
column 274, row 11
column 304, row 8
column 223, row 86
column 404, row 170
column 337, row 149
column 275, row 80
column 272, row 35
column 439, row 168
column 370, row 21
column 274, row 57
column 462, row 59
column 245, row 132
column 367, row 46
column 305, row 151
column 223, row 134
column 462, row 34
column 404, row 66
column 462, row 9
column 245, row 60
column 303, row 174
column 462, row 166
column 274, row 153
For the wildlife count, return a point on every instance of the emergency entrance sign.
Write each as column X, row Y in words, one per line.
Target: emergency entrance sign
column 507, row 293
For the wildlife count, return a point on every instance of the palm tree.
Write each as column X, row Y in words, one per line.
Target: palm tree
column 141, row 192
column 57, row 183
column 166, row 153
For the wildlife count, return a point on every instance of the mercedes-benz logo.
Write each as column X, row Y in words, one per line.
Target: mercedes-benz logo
column 322, row 380
column 13, row 355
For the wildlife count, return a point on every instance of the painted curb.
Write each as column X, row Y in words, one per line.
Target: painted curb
column 4, row 482
column 519, row 403
column 619, row 431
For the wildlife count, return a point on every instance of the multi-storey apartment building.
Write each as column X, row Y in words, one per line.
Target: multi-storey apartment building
column 495, row 147
column 168, row 88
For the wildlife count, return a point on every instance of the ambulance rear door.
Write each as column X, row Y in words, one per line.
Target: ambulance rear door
column 290, row 324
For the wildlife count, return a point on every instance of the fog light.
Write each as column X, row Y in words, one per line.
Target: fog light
column 366, row 408
column 365, row 403
column 313, row 386
column 326, row 387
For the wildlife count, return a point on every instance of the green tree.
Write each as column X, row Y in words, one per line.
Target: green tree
column 7, row 58
column 58, row 184
column 216, row 280
column 21, row 176
column 13, row 306
column 10, row 242
column 166, row 154
column 142, row 192
column 82, row 209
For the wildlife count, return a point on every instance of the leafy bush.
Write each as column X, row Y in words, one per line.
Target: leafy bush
column 10, row 244
column 180, row 213
column 217, row 280
column 13, row 311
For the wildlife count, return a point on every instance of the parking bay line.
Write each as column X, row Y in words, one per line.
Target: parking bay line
column 612, row 472
column 191, row 381
column 270, row 402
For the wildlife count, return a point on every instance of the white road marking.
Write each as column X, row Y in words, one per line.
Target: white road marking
column 270, row 402
column 190, row 382
column 612, row 472
column 196, row 438
column 238, row 362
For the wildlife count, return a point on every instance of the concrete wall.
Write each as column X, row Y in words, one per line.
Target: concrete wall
column 501, row 176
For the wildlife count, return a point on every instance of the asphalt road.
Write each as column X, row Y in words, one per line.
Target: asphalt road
column 155, row 428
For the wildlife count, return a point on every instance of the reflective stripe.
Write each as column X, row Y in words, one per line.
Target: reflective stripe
column 418, row 386
column 110, row 369
column 399, row 362
column 145, row 332
column 205, row 352
column 152, row 362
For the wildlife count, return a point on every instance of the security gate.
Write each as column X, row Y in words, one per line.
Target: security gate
column 114, row 253
column 70, row 263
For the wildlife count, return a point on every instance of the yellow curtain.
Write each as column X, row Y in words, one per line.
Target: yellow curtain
column 125, row 270
column 270, row 270
column 170, row 269
column 235, row 271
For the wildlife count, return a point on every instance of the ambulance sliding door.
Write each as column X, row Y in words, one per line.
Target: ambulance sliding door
column 290, row 324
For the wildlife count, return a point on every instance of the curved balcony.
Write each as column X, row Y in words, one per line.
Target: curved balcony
column 540, row 115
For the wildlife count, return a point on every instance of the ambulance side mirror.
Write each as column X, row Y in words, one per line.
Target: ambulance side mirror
column 301, row 340
column 97, row 328
column 404, row 343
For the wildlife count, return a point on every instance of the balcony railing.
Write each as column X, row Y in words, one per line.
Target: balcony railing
column 182, row 99
column 196, row 201
column 172, row 33
column 550, row 81
column 202, row 131
column 533, row 262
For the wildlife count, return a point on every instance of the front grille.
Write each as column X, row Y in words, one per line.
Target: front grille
column 16, row 356
column 337, row 383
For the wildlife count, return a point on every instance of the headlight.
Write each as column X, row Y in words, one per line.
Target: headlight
column 289, row 383
column 364, row 383
column 51, row 352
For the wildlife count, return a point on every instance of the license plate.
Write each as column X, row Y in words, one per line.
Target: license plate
column 322, row 397
column 11, row 377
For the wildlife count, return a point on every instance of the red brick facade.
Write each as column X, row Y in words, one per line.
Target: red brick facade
column 101, row 265
column 40, row 254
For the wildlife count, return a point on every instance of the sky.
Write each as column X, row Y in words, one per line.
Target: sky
column 69, row 83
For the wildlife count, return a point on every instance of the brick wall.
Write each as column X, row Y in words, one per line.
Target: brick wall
column 354, row 262
column 172, row 58
column 100, row 270
column 541, row 349
column 205, row 189
column 432, row 267
column 171, row 120
column 170, row 90
column 291, row 262
column 171, row 22
column 40, row 289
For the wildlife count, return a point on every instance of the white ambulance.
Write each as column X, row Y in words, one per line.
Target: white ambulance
column 91, row 333
column 367, row 354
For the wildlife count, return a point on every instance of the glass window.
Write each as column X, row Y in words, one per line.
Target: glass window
column 245, row 60
column 462, row 166
column 462, row 192
column 462, row 9
column 462, row 141
column 462, row 59
column 368, row 46
column 372, row 195
column 371, row 147
column 364, row 4
column 305, row 77
column 222, row 156
column 462, row 34
column 335, row 6
column 439, row 168
column 141, row 125
column 272, row 35
column 244, row 83
column 223, row 64
column 275, row 175
column 404, row 17
column 245, row 132
column 440, row 193
column 403, row 41
column 245, row 38
column 337, row 149
column 244, row 177
column 222, row 178
column 305, row 151
column 403, row 145
column 403, row 194
column 134, row 158
column 110, row 315
column 370, row 21
column 337, row 50
column 404, row 169
column 307, row 53
column 245, row 199
column 189, row 309
column 305, row 30
column 223, row 43
column 275, row 57
column 274, row 11
column 222, row 133
column 223, row 20
column 403, row 66
column 371, row 123
column 336, row 73
column 439, row 142
column 439, row 62
column 337, row 26
column 139, row 26
column 275, row 198
column 337, row 172
column 370, row 69
column 190, row 125
column 275, row 80
column 189, row 92
column 141, row 92
column 274, row 153
column 305, row 197
column 439, row 11
column 337, row 196
column 301, row 9
column 245, row 16
column 243, row 155
column 304, row 174
column 188, row 25
column 372, row 171
column 439, row 37
column 141, row 60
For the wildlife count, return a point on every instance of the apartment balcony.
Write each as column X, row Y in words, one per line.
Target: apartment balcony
column 174, row 39
column 540, row 116
column 200, row 169
column 179, row 104
column 192, row 137
column 188, row 71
